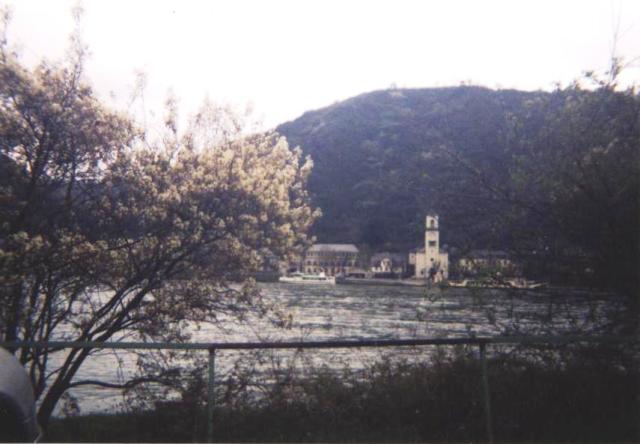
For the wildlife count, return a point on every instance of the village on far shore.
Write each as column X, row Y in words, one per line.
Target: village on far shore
column 424, row 265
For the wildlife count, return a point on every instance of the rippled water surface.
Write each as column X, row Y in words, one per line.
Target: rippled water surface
column 353, row 312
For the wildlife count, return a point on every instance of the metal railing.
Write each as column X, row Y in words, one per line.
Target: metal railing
column 212, row 347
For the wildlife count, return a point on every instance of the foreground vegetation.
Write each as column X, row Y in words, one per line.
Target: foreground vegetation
column 106, row 231
column 163, row 225
column 590, row 397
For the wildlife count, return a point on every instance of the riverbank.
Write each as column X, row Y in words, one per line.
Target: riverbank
column 584, row 400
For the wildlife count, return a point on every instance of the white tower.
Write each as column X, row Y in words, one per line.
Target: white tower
column 432, row 257
column 432, row 240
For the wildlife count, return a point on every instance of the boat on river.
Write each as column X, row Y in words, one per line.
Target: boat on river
column 515, row 284
column 302, row 278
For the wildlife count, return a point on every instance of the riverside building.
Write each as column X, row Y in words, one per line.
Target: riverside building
column 430, row 261
column 331, row 259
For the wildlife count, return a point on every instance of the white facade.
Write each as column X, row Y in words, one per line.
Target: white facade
column 331, row 259
column 432, row 257
column 388, row 263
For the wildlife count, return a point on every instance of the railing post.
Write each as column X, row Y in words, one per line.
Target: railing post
column 210, row 393
column 485, row 392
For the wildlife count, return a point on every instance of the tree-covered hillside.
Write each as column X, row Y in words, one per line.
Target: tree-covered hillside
column 380, row 162
column 550, row 176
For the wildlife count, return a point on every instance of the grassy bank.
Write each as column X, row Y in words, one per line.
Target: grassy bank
column 583, row 400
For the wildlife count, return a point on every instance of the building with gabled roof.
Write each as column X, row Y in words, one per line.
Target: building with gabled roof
column 331, row 259
column 476, row 261
column 386, row 262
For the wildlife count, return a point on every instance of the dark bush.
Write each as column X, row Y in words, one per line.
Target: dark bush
column 573, row 397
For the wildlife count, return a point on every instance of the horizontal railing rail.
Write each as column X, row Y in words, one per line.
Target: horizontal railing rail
column 355, row 343
column 212, row 347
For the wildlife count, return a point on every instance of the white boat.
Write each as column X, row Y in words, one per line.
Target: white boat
column 301, row 278
column 525, row 284
column 458, row 284
column 517, row 284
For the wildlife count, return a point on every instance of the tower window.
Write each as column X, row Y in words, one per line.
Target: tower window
column 433, row 223
column 432, row 243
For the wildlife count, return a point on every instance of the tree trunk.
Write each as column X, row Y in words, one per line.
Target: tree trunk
column 48, row 404
column 12, row 327
column 58, row 388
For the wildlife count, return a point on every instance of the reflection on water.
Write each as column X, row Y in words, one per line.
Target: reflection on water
column 354, row 312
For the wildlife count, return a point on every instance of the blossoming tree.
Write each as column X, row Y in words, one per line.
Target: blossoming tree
column 161, row 229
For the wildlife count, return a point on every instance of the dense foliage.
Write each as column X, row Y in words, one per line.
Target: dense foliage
column 102, row 231
column 584, row 399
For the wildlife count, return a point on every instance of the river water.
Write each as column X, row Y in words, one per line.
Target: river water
column 368, row 312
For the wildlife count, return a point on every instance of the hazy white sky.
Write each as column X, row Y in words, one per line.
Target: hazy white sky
column 287, row 57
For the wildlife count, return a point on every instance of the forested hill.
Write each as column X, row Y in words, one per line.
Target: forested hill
column 382, row 160
column 554, row 176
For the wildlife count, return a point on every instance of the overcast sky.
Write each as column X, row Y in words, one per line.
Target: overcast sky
column 288, row 57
